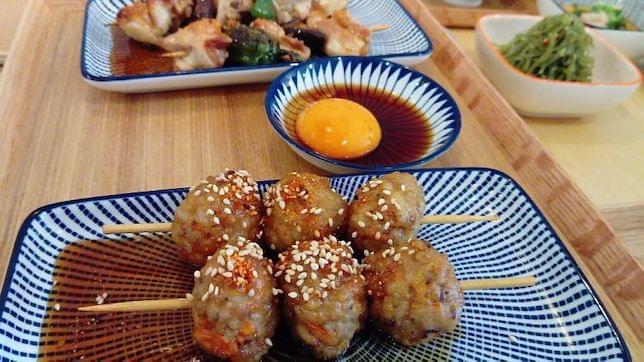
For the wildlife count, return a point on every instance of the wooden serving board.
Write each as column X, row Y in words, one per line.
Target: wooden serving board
column 463, row 17
column 61, row 139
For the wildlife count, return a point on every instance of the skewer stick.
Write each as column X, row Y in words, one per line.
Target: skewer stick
column 177, row 54
column 513, row 282
column 137, row 228
column 379, row 27
column 457, row 219
column 165, row 227
column 183, row 303
column 140, row 306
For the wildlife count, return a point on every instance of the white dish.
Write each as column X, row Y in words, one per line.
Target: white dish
column 630, row 42
column 614, row 77
column 404, row 42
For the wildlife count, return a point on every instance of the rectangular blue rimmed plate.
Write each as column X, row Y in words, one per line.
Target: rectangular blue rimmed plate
column 558, row 319
column 404, row 42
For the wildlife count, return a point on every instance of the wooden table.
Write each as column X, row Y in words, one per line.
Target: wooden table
column 11, row 11
column 61, row 139
column 603, row 153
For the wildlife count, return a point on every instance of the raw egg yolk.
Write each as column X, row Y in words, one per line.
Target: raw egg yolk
column 338, row 128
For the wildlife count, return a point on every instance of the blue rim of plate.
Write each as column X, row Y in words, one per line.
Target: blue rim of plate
column 87, row 75
column 272, row 91
column 611, row 323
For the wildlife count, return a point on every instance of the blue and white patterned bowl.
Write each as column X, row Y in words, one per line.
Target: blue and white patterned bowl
column 560, row 318
column 405, row 42
column 332, row 77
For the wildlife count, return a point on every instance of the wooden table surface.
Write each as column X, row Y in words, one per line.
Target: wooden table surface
column 61, row 139
column 10, row 13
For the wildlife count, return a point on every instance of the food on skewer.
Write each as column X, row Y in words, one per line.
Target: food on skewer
column 386, row 211
column 324, row 300
column 412, row 307
column 234, row 309
column 222, row 209
column 301, row 206
column 345, row 36
column 232, row 9
column 204, row 9
column 294, row 49
column 201, row 44
column 292, row 10
column 148, row 21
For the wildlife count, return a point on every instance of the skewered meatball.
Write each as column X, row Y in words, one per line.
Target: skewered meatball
column 387, row 211
column 222, row 210
column 302, row 207
column 325, row 304
column 234, row 309
column 414, row 293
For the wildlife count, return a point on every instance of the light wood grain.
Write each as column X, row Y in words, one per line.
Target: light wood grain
column 628, row 221
column 61, row 139
column 464, row 17
column 10, row 14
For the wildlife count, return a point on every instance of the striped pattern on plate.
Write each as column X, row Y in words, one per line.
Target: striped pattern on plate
column 558, row 319
column 369, row 82
column 403, row 39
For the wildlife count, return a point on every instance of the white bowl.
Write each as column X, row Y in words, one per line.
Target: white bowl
column 614, row 77
column 630, row 42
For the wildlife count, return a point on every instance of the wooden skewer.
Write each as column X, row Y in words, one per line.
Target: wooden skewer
column 165, row 227
column 177, row 54
column 183, row 303
column 379, row 27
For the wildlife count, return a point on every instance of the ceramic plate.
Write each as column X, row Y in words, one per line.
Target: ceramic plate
column 404, row 42
column 558, row 319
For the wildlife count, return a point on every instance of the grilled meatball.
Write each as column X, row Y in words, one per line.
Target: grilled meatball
column 324, row 301
column 222, row 210
column 302, row 207
column 233, row 306
column 414, row 293
column 387, row 211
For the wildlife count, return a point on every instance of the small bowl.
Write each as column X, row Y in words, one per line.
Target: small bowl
column 614, row 77
column 630, row 42
column 357, row 78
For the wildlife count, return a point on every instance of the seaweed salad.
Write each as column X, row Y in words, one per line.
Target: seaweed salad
column 557, row 48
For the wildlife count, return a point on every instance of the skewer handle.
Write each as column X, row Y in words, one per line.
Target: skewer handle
column 140, row 306
column 457, row 219
column 379, row 27
column 137, row 228
column 514, row 282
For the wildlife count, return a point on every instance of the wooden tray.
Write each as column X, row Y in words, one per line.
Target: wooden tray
column 461, row 17
column 60, row 139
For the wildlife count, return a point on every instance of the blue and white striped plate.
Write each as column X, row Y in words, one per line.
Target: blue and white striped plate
column 558, row 319
column 404, row 42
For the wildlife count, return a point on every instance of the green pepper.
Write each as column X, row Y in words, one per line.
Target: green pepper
column 252, row 46
column 263, row 9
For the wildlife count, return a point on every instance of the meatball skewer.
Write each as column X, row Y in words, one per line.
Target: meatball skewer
column 389, row 211
column 234, row 304
column 324, row 301
column 222, row 209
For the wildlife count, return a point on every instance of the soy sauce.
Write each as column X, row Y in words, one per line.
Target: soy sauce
column 406, row 133
column 130, row 57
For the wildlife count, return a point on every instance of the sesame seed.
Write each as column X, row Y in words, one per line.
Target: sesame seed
column 330, row 222
column 377, row 235
column 314, row 276
column 216, row 220
column 225, row 237
column 230, row 251
column 387, row 225
column 386, row 192
column 57, row 307
column 226, row 202
column 341, row 211
column 204, row 297
column 354, row 234
column 384, row 208
column 251, row 293
column 300, row 282
column 269, row 342
column 189, row 297
column 315, row 266
column 317, row 234
column 282, row 204
column 254, row 272
column 197, row 274
column 381, row 202
column 361, row 224
column 210, row 212
column 304, row 211
column 269, row 211
column 244, row 224
column 197, row 193
column 302, row 275
column 305, row 296
column 390, row 242
column 325, row 294
column 292, row 295
column 403, row 188
column 298, row 228
column 397, row 257
column 287, row 278
column 210, row 199
column 366, row 252
column 228, row 211
column 227, row 274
